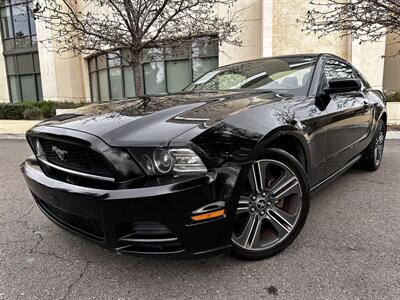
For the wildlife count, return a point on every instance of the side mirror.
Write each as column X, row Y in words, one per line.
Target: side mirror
column 344, row 85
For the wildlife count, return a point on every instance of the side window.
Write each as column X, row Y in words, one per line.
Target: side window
column 335, row 69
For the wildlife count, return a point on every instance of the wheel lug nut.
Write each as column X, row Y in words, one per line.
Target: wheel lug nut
column 252, row 209
column 253, row 198
column 262, row 212
column 269, row 203
column 263, row 194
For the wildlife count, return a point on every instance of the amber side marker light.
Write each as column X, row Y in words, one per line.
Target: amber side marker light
column 209, row 215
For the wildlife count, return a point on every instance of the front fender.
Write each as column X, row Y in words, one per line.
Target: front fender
column 278, row 133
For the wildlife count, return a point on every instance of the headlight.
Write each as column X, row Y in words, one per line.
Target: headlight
column 162, row 161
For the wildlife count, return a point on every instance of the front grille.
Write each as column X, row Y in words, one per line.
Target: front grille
column 75, row 157
column 87, row 226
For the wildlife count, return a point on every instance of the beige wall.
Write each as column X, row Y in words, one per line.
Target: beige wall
column 391, row 74
column 4, row 97
column 368, row 59
column 288, row 37
column 249, row 17
column 61, row 74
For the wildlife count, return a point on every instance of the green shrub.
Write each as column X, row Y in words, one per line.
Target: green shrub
column 31, row 110
column 48, row 108
column 33, row 113
column 392, row 96
column 12, row 111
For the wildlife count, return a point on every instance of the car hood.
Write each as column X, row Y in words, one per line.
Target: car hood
column 156, row 120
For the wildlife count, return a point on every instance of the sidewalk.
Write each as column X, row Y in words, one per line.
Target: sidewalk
column 15, row 129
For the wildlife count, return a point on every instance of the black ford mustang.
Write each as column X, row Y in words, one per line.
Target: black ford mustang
column 227, row 164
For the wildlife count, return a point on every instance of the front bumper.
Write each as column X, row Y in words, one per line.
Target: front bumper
column 111, row 217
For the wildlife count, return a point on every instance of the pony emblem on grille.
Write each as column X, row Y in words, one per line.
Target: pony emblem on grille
column 60, row 153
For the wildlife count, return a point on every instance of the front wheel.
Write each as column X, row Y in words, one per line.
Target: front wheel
column 272, row 208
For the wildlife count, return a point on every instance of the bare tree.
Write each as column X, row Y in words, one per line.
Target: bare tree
column 364, row 20
column 106, row 25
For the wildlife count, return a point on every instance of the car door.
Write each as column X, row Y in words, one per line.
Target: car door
column 348, row 118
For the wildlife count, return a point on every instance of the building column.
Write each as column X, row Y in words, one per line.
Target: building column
column 249, row 16
column 61, row 74
column 4, row 95
column 368, row 59
column 391, row 81
column 266, row 27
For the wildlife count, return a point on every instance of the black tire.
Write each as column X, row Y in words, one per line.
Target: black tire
column 269, row 158
column 372, row 156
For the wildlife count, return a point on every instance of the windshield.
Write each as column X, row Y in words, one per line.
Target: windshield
column 282, row 75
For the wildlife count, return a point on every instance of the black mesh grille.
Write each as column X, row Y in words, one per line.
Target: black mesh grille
column 74, row 157
column 150, row 229
column 92, row 227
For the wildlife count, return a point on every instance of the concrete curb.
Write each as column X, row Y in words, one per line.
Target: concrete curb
column 12, row 136
column 391, row 135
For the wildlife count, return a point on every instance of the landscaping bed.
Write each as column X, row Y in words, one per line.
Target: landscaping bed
column 393, row 128
column 34, row 110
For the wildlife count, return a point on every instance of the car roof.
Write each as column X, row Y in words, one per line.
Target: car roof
column 316, row 55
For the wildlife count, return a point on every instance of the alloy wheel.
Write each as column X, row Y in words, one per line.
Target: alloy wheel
column 269, row 207
column 379, row 145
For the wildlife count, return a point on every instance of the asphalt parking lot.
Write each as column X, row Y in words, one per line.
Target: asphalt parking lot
column 348, row 249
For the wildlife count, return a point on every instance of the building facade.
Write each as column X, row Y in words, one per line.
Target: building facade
column 30, row 70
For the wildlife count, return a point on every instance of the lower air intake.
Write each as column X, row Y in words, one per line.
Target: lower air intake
column 87, row 226
column 150, row 237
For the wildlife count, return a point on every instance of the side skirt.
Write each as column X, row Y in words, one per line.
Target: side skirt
column 335, row 175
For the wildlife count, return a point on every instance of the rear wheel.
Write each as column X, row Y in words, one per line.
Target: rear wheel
column 373, row 155
column 273, row 206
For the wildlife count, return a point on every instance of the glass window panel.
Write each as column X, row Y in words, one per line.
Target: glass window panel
column 9, row 45
column 94, row 87
column 103, row 81
column 177, row 52
column 101, row 62
column 6, row 23
column 11, row 65
column 154, row 78
column 36, row 62
column 28, row 88
column 25, row 64
column 20, row 18
column 152, row 54
column 14, row 88
column 203, row 65
column 39, row 86
column 129, row 82
column 116, row 83
column 92, row 64
column 178, row 75
column 114, row 60
column 204, row 48
column 24, row 42
column 32, row 19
